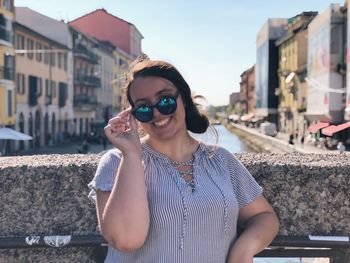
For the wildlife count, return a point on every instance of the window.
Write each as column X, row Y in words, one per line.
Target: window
column 30, row 46
column 20, row 43
column 39, row 87
column 48, row 90
column 62, row 94
column 20, row 83
column 52, row 58
column 38, row 52
column 53, row 88
column 335, row 39
column 6, row 32
column 9, row 67
column 46, row 55
column 59, row 59
column 65, row 61
column 7, row 5
column 9, row 103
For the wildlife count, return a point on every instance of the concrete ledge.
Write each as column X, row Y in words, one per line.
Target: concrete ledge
column 47, row 195
column 266, row 143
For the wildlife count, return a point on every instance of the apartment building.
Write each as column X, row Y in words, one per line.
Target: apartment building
column 266, row 69
column 247, row 91
column 7, row 65
column 42, row 91
column 120, row 33
column 121, row 66
column 45, row 79
column 124, row 36
column 234, row 98
column 87, row 81
column 292, row 90
column 105, row 51
column 326, row 79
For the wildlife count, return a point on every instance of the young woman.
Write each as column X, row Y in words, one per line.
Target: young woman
column 166, row 197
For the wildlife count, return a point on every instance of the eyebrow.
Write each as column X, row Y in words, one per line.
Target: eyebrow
column 166, row 89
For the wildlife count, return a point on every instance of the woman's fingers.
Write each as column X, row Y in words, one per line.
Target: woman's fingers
column 121, row 125
column 122, row 117
column 132, row 123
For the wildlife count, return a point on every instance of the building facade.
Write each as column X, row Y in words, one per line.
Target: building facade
column 7, row 65
column 266, row 69
column 247, row 91
column 292, row 70
column 105, row 94
column 120, row 33
column 125, row 38
column 42, row 89
column 326, row 81
column 234, row 97
column 121, row 66
column 47, row 44
column 87, row 82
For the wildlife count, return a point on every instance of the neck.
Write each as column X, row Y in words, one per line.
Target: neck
column 177, row 149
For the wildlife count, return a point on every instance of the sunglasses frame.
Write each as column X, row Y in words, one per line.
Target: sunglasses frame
column 156, row 105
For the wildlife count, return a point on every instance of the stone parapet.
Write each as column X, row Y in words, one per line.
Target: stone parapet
column 47, row 195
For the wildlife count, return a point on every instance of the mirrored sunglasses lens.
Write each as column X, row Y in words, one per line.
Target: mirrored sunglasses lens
column 167, row 106
column 143, row 114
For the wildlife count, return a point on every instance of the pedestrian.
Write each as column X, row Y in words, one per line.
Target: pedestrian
column 84, row 147
column 291, row 139
column 302, row 140
column 163, row 196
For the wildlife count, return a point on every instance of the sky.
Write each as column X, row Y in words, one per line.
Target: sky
column 210, row 42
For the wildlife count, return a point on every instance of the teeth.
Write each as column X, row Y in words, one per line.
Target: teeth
column 162, row 122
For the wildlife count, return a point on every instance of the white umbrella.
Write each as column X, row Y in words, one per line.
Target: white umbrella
column 10, row 134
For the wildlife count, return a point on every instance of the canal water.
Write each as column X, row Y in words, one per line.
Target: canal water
column 234, row 144
column 226, row 139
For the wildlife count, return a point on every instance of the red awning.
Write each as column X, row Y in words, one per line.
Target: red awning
column 330, row 130
column 315, row 127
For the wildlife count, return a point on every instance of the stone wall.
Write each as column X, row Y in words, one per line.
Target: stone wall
column 47, row 195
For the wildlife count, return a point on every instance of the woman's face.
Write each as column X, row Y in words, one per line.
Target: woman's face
column 148, row 91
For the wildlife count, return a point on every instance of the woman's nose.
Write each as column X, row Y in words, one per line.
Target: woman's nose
column 156, row 112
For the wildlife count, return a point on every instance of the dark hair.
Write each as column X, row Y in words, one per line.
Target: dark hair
column 196, row 121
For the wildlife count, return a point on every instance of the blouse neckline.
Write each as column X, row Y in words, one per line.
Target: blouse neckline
column 200, row 149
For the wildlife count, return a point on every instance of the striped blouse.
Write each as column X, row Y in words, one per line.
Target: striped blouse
column 186, row 224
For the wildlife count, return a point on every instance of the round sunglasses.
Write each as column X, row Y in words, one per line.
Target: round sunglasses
column 166, row 105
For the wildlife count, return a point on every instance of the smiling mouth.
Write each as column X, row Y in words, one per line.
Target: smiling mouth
column 162, row 122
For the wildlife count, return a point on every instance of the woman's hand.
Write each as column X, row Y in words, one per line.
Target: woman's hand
column 121, row 131
column 260, row 225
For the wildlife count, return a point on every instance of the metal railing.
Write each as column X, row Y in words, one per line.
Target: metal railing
column 83, row 51
column 84, row 99
column 7, row 73
column 6, row 35
column 87, row 80
column 282, row 246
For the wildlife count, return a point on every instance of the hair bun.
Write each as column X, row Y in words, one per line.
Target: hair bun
column 196, row 122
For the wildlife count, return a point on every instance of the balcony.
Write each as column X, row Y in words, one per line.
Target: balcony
column 85, row 102
column 86, row 80
column 83, row 52
column 6, row 35
column 7, row 73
